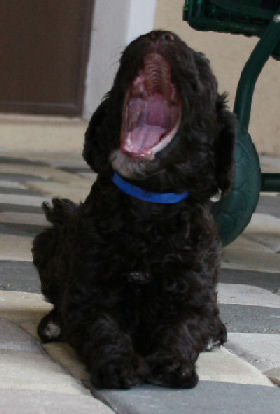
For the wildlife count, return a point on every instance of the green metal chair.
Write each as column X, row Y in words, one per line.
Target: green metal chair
column 248, row 17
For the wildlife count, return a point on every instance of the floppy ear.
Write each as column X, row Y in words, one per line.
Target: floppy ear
column 96, row 149
column 224, row 145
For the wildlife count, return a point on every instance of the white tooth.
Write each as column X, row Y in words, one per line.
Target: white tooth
column 128, row 145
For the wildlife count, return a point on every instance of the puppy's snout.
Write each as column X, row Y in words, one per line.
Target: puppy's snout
column 162, row 38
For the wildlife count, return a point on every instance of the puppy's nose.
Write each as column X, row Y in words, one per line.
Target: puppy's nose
column 162, row 38
column 167, row 37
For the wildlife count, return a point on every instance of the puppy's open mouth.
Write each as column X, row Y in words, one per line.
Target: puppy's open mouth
column 152, row 110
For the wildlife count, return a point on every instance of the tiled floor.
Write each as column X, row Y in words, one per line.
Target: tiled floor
column 249, row 296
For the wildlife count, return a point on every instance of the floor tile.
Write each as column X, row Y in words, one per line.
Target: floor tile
column 39, row 172
column 19, row 276
column 19, row 307
column 8, row 207
column 263, row 223
column 65, row 356
column 260, row 259
column 23, row 200
column 14, row 247
column 26, row 230
column 264, row 280
column 14, row 338
column 43, row 402
column 11, row 184
column 76, row 192
column 208, row 397
column 223, row 366
column 269, row 205
column 247, row 295
column 22, row 370
column 19, row 191
column 272, row 241
column 23, row 218
column 274, row 375
column 261, row 350
column 250, row 319
column 15, row 160
column 19, row 176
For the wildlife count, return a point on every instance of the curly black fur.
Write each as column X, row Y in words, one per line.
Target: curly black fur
column 133, row 283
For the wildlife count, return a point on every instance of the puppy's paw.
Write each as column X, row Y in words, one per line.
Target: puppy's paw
column 49, row 329
column 218, row 339
column 173, row 372
column 122, row 373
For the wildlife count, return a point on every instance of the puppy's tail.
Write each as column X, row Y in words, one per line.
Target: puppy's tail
column 60, row 211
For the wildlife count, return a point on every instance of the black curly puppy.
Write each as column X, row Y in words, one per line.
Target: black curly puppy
column 132, row 271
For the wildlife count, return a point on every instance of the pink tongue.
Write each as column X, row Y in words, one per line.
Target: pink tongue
column 146, row 136
column 153, row 122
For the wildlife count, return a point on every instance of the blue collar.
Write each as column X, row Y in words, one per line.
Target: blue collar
column 137, row 192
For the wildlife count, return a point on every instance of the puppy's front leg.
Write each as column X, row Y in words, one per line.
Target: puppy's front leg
column 105, row 349
column 172, row 360
column 112, row 361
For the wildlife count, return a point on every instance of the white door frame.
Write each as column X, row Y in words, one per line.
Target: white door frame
column 115, row 24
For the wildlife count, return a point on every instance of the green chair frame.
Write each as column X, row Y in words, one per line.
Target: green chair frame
column 248, row 17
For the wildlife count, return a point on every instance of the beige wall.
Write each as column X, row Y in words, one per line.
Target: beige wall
column 227, row 54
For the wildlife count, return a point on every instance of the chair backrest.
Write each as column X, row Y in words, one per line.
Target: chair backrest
column 247, row 17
